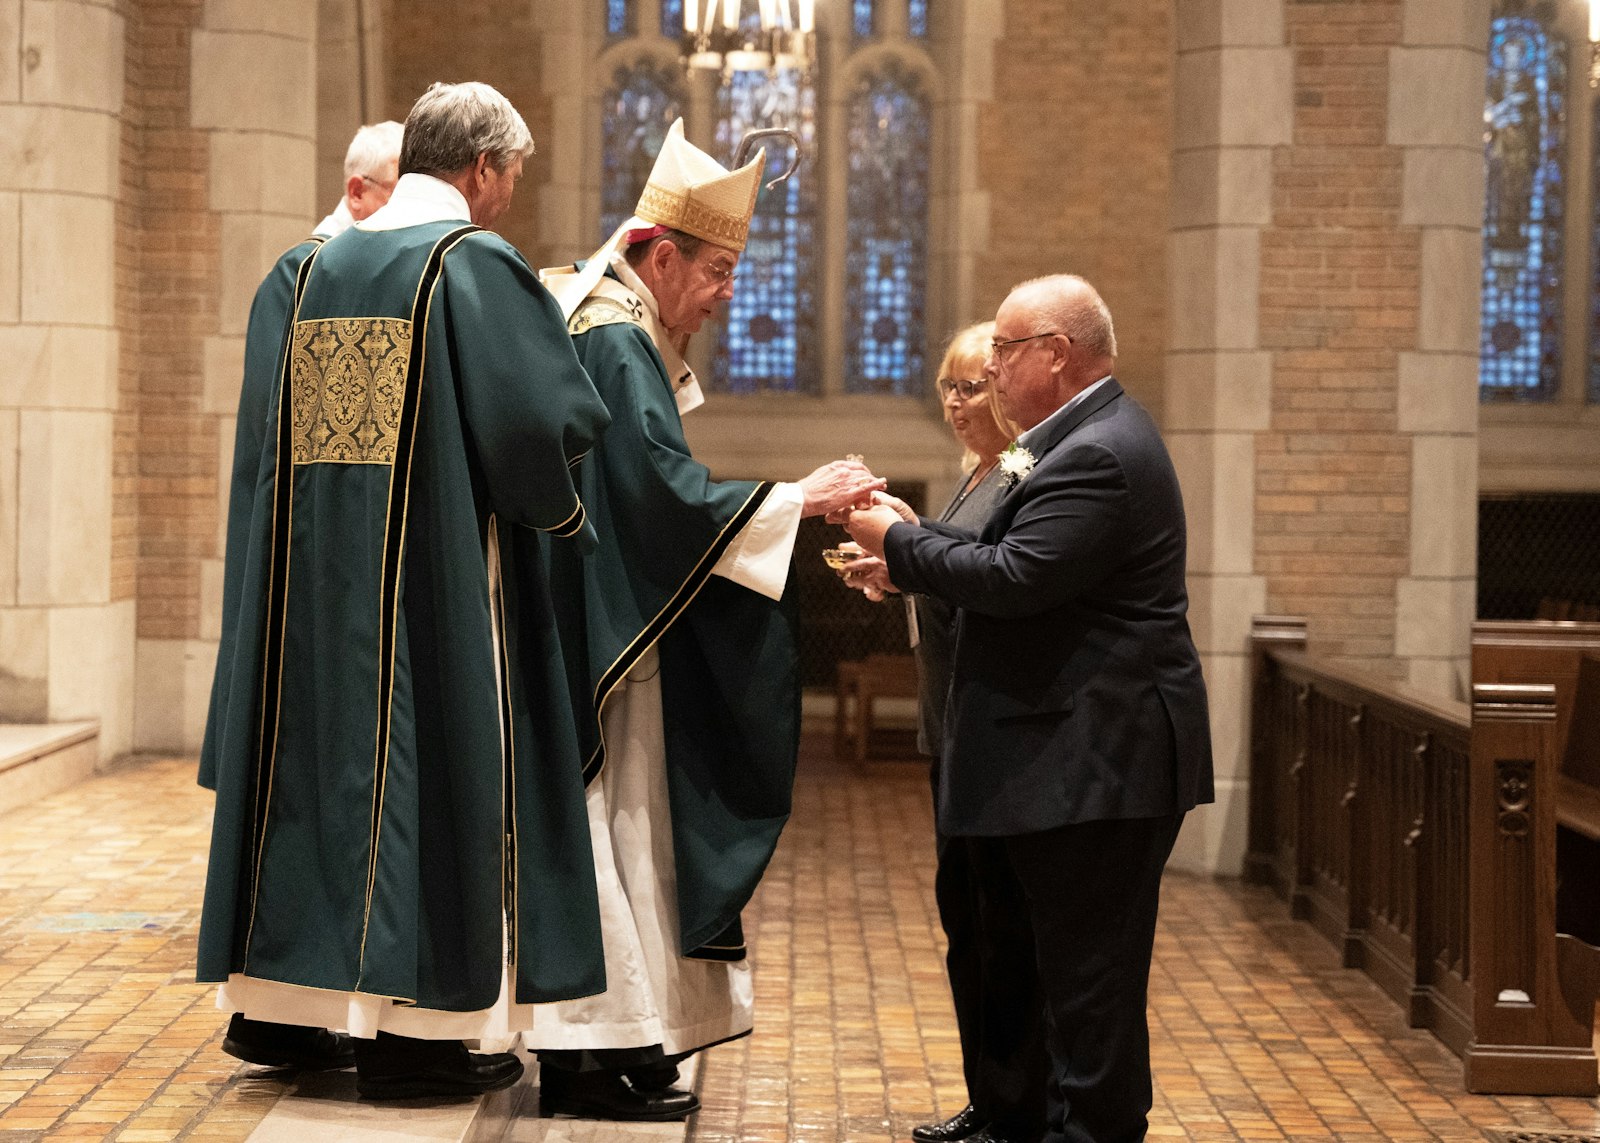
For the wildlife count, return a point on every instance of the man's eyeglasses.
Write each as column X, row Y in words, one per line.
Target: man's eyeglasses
column 719, row 274
column 995, row 346
column 961, row 388
column 377, row 183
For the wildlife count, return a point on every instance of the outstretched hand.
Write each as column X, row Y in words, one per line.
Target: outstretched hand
column 867, row 574
column 838, row 484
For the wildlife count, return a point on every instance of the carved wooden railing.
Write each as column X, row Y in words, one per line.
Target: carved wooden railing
column 1390, row 821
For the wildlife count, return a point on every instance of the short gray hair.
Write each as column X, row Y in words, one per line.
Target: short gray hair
column 375, row 146
column 453, row 123
column 1066, row 303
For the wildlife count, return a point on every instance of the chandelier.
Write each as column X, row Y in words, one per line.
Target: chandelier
column 763, row 35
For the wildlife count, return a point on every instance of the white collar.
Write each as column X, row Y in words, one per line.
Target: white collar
column 418, row 199
column 336, row 223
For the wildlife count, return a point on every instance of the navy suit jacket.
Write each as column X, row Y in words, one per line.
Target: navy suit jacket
column 1076, row 692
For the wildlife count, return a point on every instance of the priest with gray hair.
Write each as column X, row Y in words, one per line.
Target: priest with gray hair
column 400, row 848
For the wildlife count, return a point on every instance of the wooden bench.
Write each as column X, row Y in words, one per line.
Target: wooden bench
column 860, row 682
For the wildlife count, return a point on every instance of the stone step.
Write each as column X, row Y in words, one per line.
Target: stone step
column 322, row 1107
column 36, row 760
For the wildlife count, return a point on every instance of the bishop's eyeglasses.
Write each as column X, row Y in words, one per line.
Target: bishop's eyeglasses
column 961, row 388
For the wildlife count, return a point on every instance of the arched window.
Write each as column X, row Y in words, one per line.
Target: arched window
column 1525, row 155
column 887, row 259
column 616, row 17
column 769, row 338
column 640, row 105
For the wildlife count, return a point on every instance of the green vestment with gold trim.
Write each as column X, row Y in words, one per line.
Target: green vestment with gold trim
column 398, row 774
column 729, row 666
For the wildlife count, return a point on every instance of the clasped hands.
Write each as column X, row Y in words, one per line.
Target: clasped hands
column 867, row 518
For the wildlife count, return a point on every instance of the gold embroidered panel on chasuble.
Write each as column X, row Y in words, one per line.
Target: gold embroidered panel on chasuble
column 347, row 379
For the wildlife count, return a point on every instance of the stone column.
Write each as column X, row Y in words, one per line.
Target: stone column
column 1234, row 104
column 66, row 640
column 253, row 91
column 1436, row 94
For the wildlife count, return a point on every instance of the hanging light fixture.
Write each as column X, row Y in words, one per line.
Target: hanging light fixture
column 750, row 35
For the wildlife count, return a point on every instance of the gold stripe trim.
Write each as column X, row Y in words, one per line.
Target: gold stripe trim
column 681, row 212
column 602, row 698
column 271, row 763
column 381, row 748
column 567, row 527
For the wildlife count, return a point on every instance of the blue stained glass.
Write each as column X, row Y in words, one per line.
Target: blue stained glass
column 616, row 17
column 887, row 261
column 768, row 342
column 671, row 17
column 862, row 17
column 637, row 110
column 917, row 17
column 1525, row 154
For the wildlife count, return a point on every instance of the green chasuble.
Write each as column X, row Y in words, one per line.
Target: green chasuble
column 398, row 773
column 729, row 666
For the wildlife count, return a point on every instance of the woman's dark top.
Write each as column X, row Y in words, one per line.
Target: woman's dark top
column 970, row 509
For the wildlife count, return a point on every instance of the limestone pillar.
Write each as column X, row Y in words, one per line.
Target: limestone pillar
column 66, row 639
column 1436, row 94
column 1234, row 104
column 253, row 91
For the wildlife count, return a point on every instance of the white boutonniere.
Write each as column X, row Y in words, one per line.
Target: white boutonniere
column 1015, row 463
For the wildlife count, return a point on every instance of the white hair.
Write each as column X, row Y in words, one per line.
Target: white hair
column 451, row 124
column 1066, row 303
column 374, row 148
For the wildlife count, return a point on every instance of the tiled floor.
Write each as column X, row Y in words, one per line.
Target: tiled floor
column 1258, row 1034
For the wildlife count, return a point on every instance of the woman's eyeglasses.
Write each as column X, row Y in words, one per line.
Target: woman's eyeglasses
column 962, row 389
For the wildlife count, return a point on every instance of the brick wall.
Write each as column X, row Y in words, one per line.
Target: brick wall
column 1075, row 152
column 166, row 465
column 494, row 41
column 1339, row 301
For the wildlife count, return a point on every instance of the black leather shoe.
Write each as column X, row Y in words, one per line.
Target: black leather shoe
column 964, row 1124
column 606, row 1095
column 400, row 1067
column 287, row 1045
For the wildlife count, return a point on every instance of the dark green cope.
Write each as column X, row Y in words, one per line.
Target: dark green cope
column 730, row 683
column 377, row 829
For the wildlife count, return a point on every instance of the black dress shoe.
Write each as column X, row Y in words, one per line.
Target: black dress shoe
column 606, row 1095
column 287, row 1045
column 400, row 1067
column 964, row 1124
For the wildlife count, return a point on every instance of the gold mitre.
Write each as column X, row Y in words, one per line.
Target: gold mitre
column 690, row 191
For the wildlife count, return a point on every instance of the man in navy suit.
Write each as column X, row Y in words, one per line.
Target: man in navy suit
column 1077, row 717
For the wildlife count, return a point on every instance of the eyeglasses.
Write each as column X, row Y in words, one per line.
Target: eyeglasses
column 721, row 275
column 382, row 185
column 996, row 346
column 963, row 389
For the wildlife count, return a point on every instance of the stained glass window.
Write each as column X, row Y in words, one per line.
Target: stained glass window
column 671, row 17
column 769, row 334
column 639, row 107
column 917, row 17
column 616, row 17
column 886, row 267
column 861, row 17
column 1524, row 150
